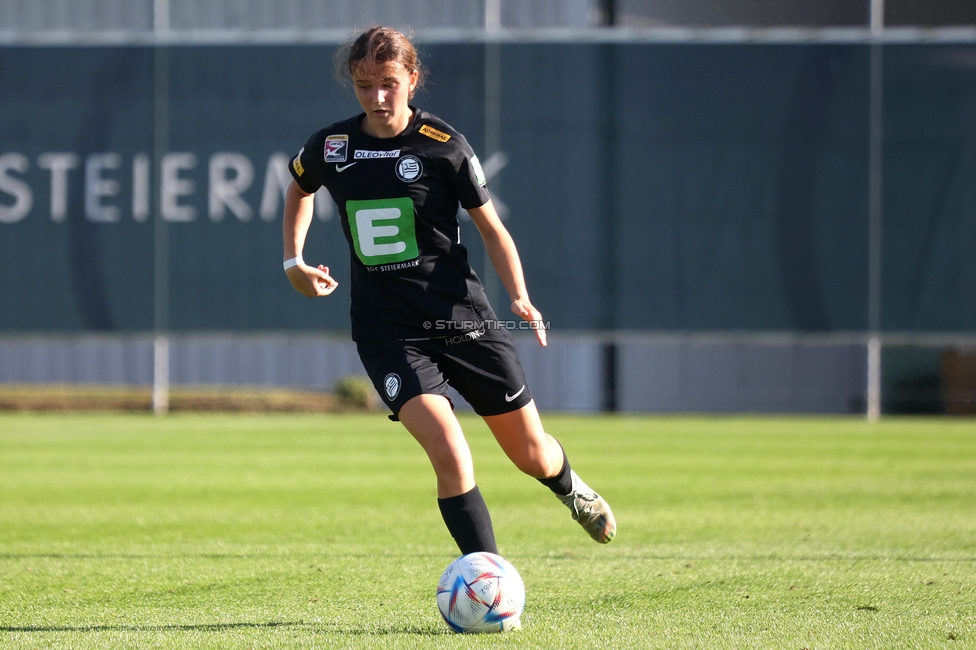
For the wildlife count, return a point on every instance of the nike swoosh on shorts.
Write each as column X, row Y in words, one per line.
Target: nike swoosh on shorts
column 509, row 399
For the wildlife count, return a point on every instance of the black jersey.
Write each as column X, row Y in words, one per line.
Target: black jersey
column 398, row 200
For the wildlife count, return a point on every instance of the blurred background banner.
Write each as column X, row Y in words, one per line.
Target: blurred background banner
column 733, row 171
column 682, row 186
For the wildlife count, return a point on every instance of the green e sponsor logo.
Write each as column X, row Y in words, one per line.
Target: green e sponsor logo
column 383, row 230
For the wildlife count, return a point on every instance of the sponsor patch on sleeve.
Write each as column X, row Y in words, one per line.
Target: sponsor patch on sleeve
column 297, row 163
column 431, row 132
column 335, row 148
column 479, row 173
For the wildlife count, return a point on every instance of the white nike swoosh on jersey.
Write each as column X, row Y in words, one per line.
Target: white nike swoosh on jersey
column 344, row 167
column 509, row 399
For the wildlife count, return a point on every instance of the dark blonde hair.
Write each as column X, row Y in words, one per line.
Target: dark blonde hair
column 378, row 45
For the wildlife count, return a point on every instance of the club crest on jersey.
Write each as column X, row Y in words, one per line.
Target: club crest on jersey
column 409, row 169
column 336, row 147
column 391, row 383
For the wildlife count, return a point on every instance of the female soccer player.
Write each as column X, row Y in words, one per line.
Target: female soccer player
column 420, row 317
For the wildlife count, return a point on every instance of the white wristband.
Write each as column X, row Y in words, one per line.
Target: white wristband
column 295, row 261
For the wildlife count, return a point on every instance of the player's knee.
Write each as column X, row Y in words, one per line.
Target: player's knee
column 449, row 458
column 444, row 457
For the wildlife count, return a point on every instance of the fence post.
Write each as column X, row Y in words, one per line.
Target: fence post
column 160, row 391
column 875, row 189
column 874, row 378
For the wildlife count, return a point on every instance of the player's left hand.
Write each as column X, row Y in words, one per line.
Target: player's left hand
column 525, row 310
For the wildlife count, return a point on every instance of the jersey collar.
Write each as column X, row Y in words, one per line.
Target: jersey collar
column 412, row 126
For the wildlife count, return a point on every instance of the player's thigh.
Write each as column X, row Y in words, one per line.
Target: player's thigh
column 430, row 420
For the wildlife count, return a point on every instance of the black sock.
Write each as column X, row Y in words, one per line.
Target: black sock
column 562, row 483
column 468, row 521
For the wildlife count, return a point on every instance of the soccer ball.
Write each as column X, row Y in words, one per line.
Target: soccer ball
column 481, row 592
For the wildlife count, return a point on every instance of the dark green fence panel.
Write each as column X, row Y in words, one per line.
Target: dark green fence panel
column 930, row 188
column 693, row 187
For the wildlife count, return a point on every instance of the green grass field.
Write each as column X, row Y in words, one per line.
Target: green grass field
column 322, row 531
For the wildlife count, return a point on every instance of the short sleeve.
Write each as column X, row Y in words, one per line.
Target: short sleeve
column 472, row 186
column 308, row 166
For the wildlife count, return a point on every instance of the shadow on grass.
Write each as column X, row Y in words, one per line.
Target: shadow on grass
column 219, row 627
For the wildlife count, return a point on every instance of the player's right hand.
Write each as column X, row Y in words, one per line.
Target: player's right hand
column 311, row 282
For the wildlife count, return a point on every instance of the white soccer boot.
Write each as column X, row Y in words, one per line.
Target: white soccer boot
column 590, row 510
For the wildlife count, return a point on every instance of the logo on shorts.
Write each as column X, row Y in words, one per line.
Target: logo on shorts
column 335, row 148
column 391, row 383
column 467, row 336
column 409, row 169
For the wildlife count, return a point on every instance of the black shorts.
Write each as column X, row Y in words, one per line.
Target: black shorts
column 482, row 366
